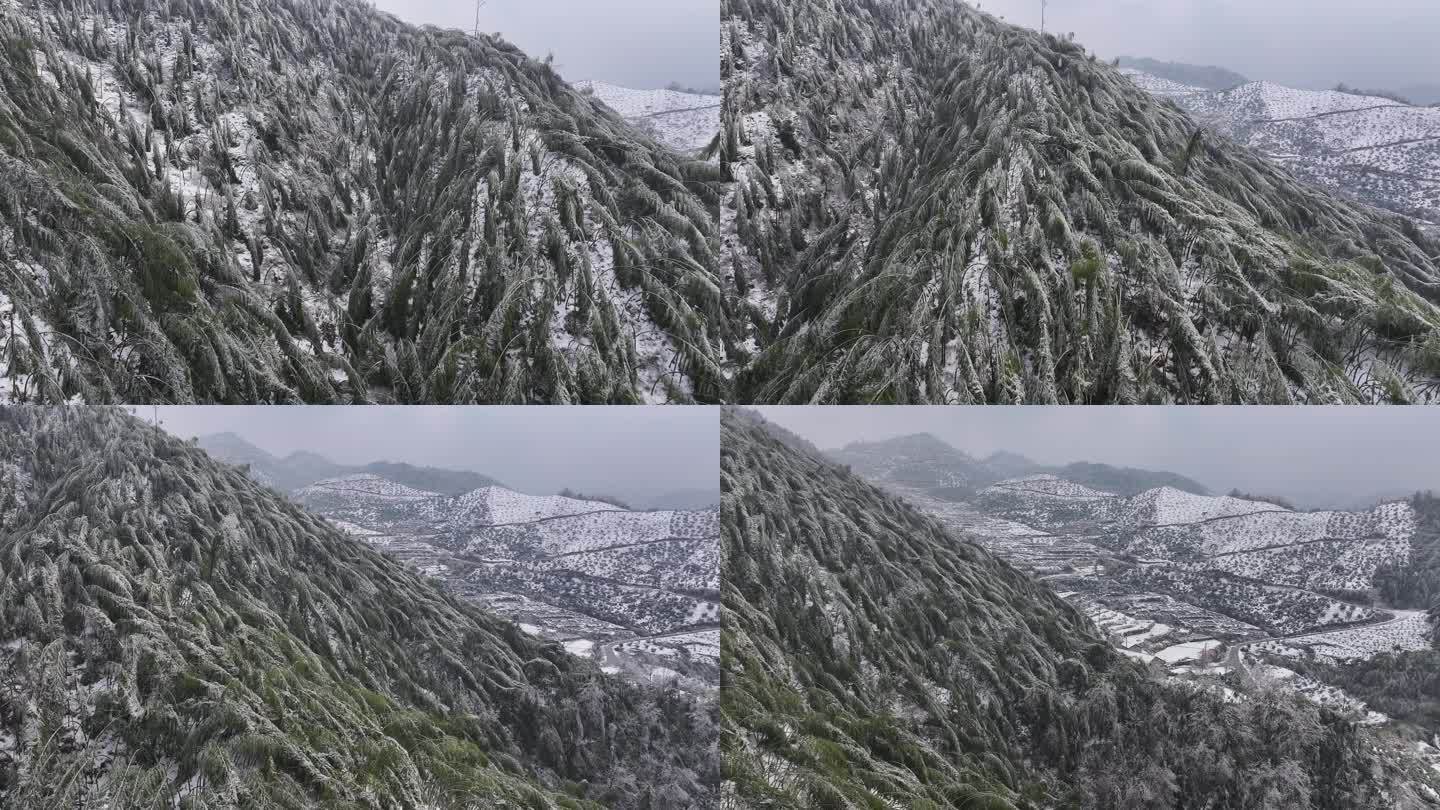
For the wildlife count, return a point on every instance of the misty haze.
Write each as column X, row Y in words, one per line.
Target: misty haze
column 647, row 44
column 629, row 454
column 1313, row 44
column 1321, row 457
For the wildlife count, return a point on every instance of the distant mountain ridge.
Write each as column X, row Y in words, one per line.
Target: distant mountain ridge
column 927, row 462
column 1207, row 76
column 302, row 467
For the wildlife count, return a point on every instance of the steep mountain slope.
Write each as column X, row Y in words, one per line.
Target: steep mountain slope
column 177, row 635
column 637, row 591
column 926, row 463
column 686, row 122
column 871, row 658
column 933, row 206
column 302, row 468
column 309, row 200
column 1382, row 151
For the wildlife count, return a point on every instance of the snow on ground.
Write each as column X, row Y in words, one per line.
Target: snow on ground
column 1187, row 651
column 496, row 505
column 1316, row 692
column 1156, row 630
column 1166, row 506
column 1156, row 85
column 683, row 121
column 1275, row 101
column 580, row 646
column 703, row 612
column 364, row 487
column 1376, row 149
column 1410, row 632
column 352, row 529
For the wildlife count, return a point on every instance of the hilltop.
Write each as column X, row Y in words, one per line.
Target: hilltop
column 300, row 468
column 686, row 122
column 637, row 591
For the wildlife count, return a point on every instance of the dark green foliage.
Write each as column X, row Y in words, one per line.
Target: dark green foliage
column 870, row 658
column 226, row 649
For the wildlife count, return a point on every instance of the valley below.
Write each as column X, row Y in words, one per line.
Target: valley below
column 635, row 591
column 1225, row 593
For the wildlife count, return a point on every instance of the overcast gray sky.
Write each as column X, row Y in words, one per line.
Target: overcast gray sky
column 622, row 451
column 1386, row 44
column 1295, row 452
column 636, row 43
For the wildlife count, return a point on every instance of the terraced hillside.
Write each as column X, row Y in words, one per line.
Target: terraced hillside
column 1382, row 151
column 173, row 634
column 1284, row 571
column 636, row 591
column 874, row 658
column 931, row 205
column 279, row 201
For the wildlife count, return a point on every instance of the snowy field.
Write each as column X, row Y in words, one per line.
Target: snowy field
column 686, row 122
column 1411, row 631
